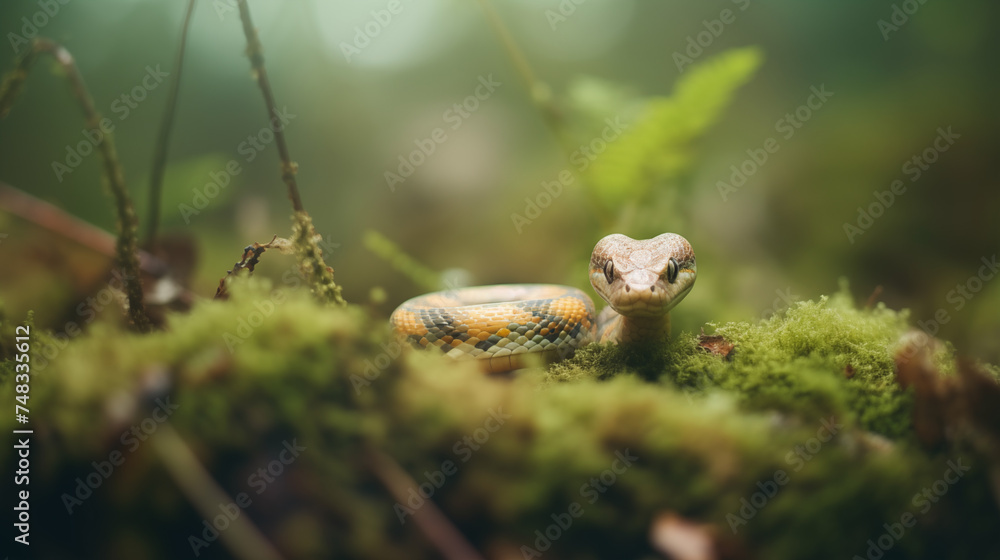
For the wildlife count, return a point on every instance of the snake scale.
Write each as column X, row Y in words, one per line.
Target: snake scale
column 641, row 280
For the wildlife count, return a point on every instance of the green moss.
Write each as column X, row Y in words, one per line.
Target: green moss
column 706, row 433
column 318, row 275
column 813, row 360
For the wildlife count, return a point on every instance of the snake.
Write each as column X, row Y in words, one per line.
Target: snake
column 502, row 326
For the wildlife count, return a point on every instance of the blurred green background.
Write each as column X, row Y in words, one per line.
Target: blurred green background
column 781, row 236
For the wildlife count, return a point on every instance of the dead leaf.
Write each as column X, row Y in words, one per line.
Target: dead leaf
column 250, row 259
column 955, row 409
column 716, row 344
column 680, row 539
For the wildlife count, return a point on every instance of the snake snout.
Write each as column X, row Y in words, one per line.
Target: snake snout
column 641, row 293
column 640, row 281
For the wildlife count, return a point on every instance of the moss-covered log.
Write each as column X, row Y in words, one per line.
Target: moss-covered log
column 798, row 444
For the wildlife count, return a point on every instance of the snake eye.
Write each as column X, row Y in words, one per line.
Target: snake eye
column 672, row 270
column 609, row 271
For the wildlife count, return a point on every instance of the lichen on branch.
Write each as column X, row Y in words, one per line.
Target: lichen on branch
column 126, row 249
column 319, row 276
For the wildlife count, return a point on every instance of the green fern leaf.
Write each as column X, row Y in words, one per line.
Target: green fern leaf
column 656, row 147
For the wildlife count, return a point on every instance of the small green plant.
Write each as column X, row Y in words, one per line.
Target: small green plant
column 656, row 149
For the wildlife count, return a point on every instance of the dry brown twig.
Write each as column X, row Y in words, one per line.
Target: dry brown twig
column 873, row 298
column 429, row 519
column 58, row 221
column 127, row 248
column 163, row 140
column 250, row 259
column 256, row 54
column 318, row 275
column 243, row 539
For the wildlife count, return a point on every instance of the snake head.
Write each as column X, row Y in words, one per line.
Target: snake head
column 643, row 278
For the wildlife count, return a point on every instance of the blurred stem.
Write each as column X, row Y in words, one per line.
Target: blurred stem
column 431, row 521
column 540, row 93
column 304, row 237
column 60, row 222
column 256, row 54
column 305, row 243
column 242, row 538
column 398, row 259
column 127, row 249
column 163, row 140
column 541, row 96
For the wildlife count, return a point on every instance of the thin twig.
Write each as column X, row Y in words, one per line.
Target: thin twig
column 541, row 96
column 432, row 522
column 127, row 246
column 58, row 221
column 163, row 140
column 318, row 275
column 243, row 539
column 873, row 299
column 256, row 54
column 539, row 91
column 249, row 260
column 305, row 243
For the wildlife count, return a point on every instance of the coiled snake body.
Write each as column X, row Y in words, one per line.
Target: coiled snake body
column 642, row 280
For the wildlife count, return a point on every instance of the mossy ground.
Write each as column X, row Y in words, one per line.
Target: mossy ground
column 706, row 432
